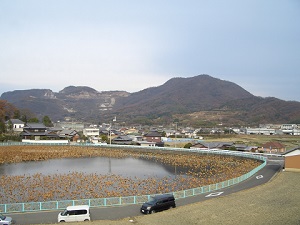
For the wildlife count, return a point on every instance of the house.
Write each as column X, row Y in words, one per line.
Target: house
column 69, row 134
column 131, row 131
column 292, row 159
column 273, row 147
column 122, row 140
column 91, row 132
column 213, row 145
column 154, row 136
column 135, row 138
column 245, row 148
column 70, row 125
column 36, row 131
column 16, row 125
column 146, row 143
column 169, row 132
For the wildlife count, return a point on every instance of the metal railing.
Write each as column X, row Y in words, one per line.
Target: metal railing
column 127, row 200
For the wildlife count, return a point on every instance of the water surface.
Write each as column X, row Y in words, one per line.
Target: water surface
column 129, row 167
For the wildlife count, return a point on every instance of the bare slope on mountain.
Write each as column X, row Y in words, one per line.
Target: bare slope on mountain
column 201, row 100
column 182, row 95
column 79, row 103
column 39, row 101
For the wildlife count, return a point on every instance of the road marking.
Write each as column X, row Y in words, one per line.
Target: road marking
column 259, row 177
column 214, row 194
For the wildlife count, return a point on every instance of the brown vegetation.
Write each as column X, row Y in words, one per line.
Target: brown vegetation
column 201, row 170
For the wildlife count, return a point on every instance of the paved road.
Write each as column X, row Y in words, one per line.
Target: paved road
column 273, row 166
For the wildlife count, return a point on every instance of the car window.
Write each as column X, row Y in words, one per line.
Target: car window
column 81, row 212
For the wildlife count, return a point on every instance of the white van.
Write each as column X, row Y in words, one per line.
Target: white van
column 75, row 213
column 5, row 220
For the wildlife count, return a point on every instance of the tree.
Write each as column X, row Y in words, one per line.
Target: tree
column 2, row 127
column 47, row 122
column 33, row 120
column 104, row 138
column 10, row 127
column 17, row 114
column 188, row 145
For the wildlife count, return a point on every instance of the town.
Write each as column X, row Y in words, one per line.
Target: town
column 173, row 135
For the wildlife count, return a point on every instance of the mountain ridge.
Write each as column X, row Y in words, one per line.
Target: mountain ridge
column 177, row 99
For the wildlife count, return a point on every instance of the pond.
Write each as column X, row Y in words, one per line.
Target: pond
column 126, row 167
column 82, row 178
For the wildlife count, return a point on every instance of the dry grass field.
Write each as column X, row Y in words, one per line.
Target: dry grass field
column 289, row 141
column 200, row 170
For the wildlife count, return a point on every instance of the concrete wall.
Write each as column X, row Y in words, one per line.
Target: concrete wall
column 45, row 141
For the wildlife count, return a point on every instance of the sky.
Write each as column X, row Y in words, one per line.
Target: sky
column 131, row 45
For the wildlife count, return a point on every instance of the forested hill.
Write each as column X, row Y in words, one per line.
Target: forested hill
column 199, row 100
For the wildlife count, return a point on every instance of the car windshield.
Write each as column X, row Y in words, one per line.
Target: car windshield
column 2, row 217
column 64, row 213
column 151, row 201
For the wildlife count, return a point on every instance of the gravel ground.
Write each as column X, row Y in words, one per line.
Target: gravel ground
column 276, row 203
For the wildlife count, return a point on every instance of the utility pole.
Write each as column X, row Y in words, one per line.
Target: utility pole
column 176, row 134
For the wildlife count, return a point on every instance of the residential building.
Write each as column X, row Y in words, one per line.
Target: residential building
column 122, row 140
column 273, row 147
column 91, row 132
column 68, row 134
column 292, row 159
column 36, row 131
column 154, row 136
column 70, row 125
column 17, row 125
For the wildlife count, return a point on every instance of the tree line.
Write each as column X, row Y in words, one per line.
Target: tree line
column 8, row 111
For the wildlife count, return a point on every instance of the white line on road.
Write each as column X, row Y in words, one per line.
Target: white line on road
column 259, row 177
column 214, row 194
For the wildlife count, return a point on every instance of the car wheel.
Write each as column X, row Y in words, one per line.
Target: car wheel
column 152, row 211
column 86, row 220
column 62, row 221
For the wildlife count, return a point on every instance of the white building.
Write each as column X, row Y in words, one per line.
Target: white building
column 292, row 129
column 17, row 125
column 263, row 131
column 91, row 132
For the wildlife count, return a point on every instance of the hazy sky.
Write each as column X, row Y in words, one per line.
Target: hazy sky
column 135, row 44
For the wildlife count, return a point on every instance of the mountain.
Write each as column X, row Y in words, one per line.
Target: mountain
column 79, row 103
column 199, row 100
column 182, row 95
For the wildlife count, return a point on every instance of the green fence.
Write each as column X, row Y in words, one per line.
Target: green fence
column 127, row 200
